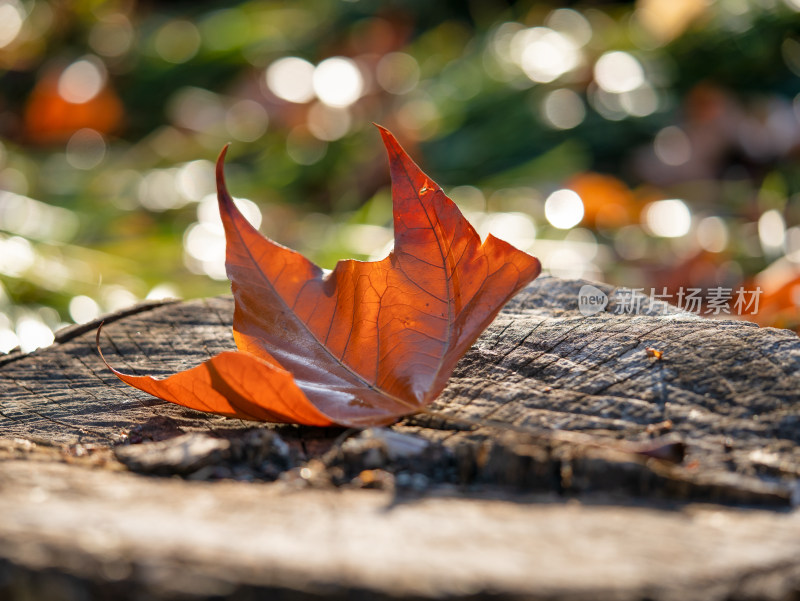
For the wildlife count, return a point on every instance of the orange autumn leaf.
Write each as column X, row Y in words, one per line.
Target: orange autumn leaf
column 778, row 305
column 607, row 201
column 366, row 343
column 49, row 117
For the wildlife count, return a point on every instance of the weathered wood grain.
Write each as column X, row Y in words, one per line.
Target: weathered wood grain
column 547, row 402
column 70, row 533
column 729, row 390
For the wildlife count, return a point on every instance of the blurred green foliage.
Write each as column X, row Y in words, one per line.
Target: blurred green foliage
column 112, row 113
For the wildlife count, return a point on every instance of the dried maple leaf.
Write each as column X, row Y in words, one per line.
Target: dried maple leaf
column 366, row 343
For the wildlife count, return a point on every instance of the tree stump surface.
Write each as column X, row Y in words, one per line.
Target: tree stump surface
column 613, row 456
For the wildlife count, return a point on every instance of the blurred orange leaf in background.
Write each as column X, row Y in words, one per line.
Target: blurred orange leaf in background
column 65, row 101
column 607, row 201
column 780, row 297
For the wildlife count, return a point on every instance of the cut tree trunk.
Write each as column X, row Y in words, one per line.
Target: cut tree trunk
column 613, row 456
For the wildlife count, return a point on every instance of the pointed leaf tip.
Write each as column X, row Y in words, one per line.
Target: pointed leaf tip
column 390, row 142
column 221, row 165
column 222, row 189
column 222, row 154
column 387, row 136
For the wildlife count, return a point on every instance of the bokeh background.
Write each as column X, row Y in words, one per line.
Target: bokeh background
column 648, row 144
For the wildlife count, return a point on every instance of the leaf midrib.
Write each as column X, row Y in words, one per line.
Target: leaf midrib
column 296, row 318
column 447, row 277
